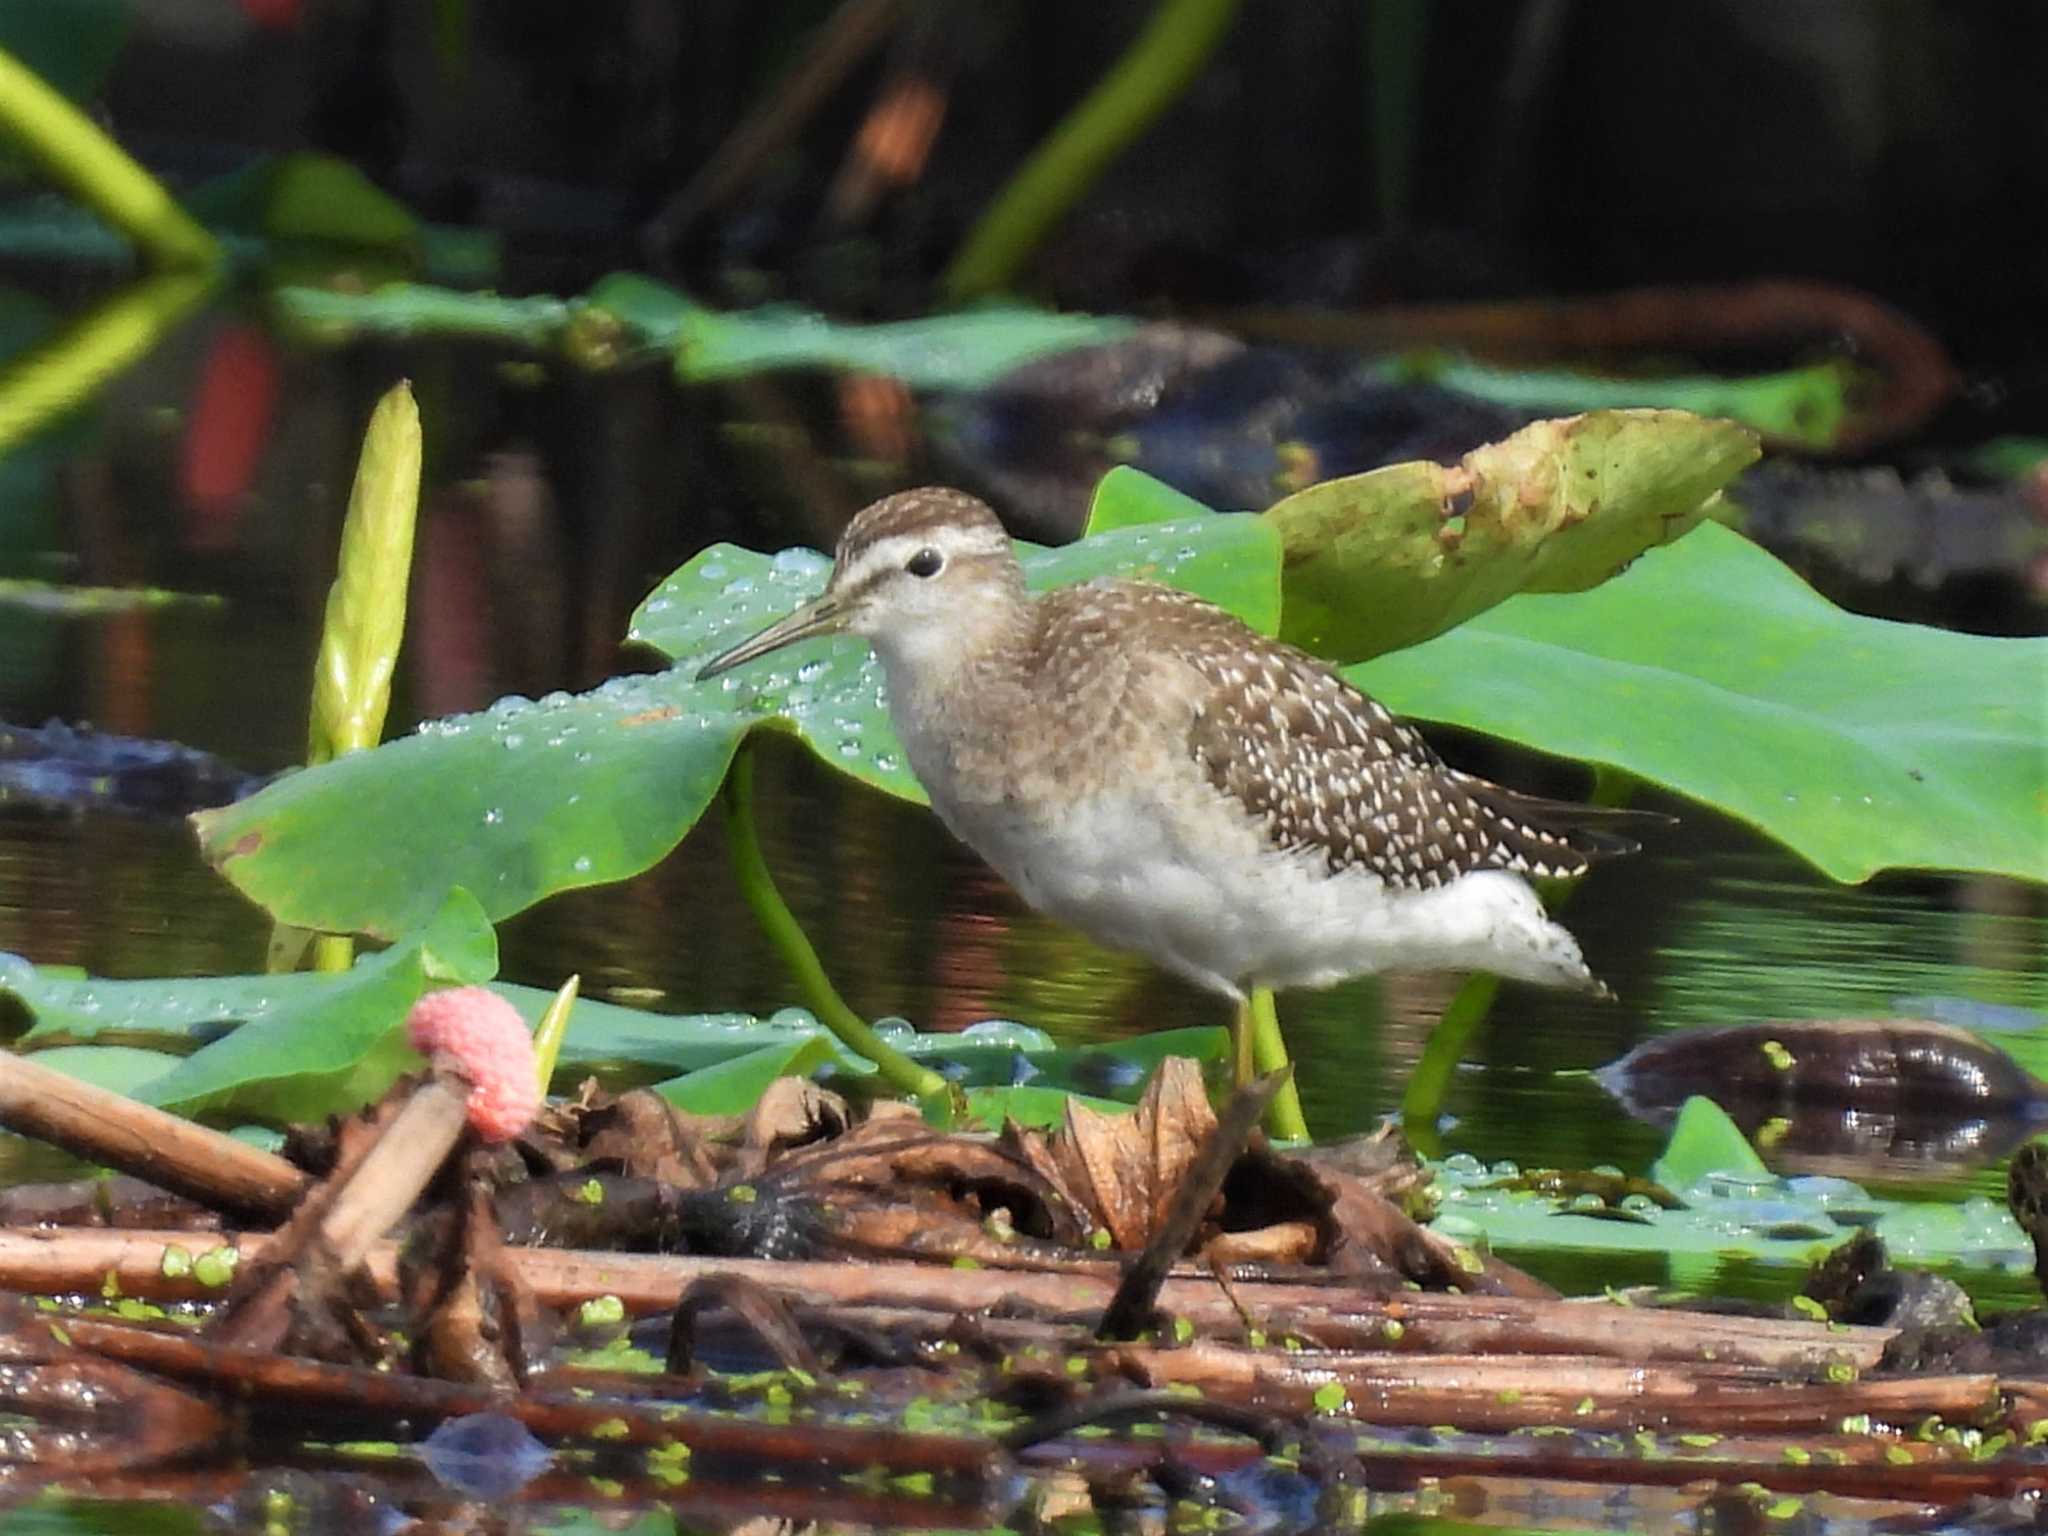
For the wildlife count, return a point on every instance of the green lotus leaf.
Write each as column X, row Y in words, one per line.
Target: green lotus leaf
column 1713, row 670
column 529, row 798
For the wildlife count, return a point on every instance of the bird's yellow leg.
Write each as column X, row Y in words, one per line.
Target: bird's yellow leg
column 1259, row 1032
column 1242, row 1069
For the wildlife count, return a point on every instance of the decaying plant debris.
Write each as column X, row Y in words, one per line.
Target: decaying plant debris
column 944, row 1310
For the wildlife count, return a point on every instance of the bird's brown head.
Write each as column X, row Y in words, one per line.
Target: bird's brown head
column 910, row 570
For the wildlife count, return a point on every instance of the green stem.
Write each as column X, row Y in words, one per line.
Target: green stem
column 1423, row 1098
column 66, row 370
column 1147, row 80
column 333, row 952
column 72, row 152
column 1422, row 1101
column 1269, row 1054
column 750, row 868
column 1242, row 1069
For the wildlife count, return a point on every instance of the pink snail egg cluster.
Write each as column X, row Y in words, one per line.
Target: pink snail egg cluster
column 481, row 1038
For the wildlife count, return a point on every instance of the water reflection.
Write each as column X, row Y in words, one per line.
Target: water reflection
column 1710, row 930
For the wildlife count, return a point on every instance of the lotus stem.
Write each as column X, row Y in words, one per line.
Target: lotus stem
column 750, row 868
column 49, row 380
column 1148, row 79
column 1423, row 1098
column 74, row 153
column 1269, row 1054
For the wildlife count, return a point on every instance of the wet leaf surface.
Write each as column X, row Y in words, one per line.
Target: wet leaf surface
column 1712, row 670
column 530, row 798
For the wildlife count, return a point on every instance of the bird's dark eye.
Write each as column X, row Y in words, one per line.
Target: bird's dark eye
column 926, row 562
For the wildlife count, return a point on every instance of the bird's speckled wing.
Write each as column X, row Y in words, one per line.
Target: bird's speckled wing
column 1325, row 768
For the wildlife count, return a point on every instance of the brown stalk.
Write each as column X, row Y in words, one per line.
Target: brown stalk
column 1134, row 1308
column 1329, row 1315
column 167, row 1150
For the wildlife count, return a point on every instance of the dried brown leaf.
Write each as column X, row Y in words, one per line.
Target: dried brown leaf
column 649, row 1138
column 1123, row 1169
column 793, row 1112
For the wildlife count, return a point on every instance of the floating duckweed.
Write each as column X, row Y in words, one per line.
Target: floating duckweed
column 176, row 1263
column 743, row 1194
column 215, row 1267
column 1331, row 1397
column 1183, row 1330
column 589, row 1192
column 601, row 1312
column 1781, row 1060
column 609, row 1429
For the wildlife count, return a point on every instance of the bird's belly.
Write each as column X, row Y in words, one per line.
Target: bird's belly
column 1110, row 869
column 1211, row 900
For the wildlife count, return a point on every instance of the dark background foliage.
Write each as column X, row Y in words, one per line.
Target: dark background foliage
column 1549, row 146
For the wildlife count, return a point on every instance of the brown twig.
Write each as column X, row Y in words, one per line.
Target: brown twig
column 353, row 1395
column 1329, row 1315
column 1502, row 1393
column 167, row 1150
column 1134, row 1307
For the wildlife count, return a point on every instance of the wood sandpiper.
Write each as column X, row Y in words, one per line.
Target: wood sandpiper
column 1137, row 762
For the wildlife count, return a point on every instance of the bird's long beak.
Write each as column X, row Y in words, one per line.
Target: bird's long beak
column 821, row 616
